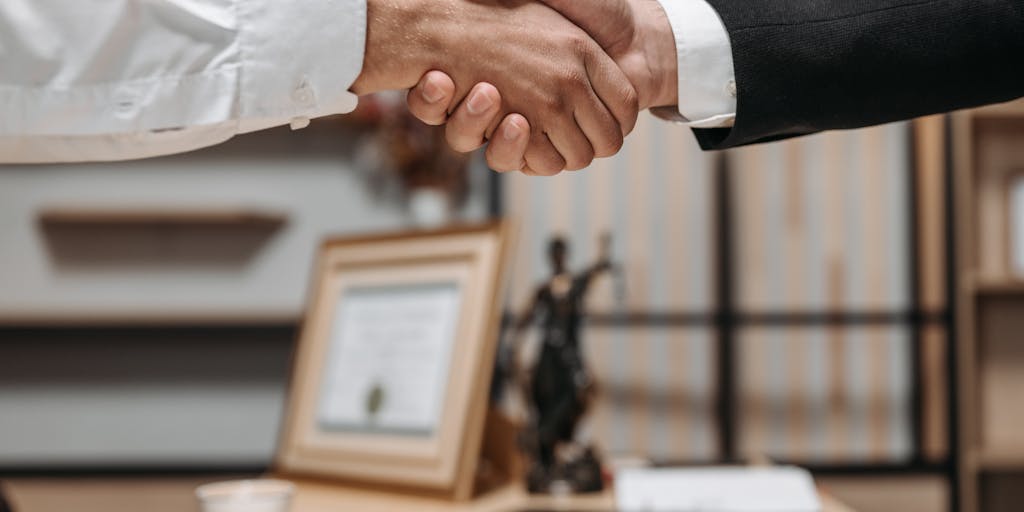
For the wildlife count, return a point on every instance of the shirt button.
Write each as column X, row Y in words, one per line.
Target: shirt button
column 731, row 88
column 299, row 123
column 126, row 104
column 303, row 93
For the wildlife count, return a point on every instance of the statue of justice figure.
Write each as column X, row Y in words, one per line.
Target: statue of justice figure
column 559, row 389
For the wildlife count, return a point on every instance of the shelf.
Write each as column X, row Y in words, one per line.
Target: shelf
column 1000, row 288
column 161, row 216
column 1000, row 460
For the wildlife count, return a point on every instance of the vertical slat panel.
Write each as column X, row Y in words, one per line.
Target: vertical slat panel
column 600, row 295
column 638, row 244
column 518, row 199
column 876, row 212
column 795, row 293
column 929, row 147
column 933, row 381
column 835, row 264
column 931, row 161
column 822, row 227
column 845, row 190
column 622, row 395
column 862, row 412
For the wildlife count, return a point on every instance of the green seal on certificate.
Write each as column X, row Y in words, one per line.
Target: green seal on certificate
column 374, row 402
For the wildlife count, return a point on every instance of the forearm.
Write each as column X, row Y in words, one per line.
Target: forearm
column 803, row 67
column 123, row 79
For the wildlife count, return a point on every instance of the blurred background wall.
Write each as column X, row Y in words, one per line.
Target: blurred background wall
column 150, row 307
column 787, row 301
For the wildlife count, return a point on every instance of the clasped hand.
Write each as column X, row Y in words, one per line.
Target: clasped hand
column 550, row 86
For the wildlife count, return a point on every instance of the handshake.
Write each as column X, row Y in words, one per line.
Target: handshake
column 552, row 84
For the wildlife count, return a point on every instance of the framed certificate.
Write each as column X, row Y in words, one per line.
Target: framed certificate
column 392, row 369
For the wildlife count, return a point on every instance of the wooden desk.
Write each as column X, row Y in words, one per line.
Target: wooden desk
column 322, row 498
column 175, row 495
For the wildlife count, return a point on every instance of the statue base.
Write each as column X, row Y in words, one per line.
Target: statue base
column 580, row 475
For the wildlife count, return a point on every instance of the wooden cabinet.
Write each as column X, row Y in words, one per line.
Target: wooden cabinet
column 988, row 149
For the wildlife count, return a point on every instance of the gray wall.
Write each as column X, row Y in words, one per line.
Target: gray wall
column 107, row 395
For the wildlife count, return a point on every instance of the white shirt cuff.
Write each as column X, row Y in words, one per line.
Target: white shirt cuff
column 299, row 59
column 707, row 78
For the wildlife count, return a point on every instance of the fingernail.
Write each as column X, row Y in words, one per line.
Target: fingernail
column 431, row 92
column 478, row 103
column 511, row 131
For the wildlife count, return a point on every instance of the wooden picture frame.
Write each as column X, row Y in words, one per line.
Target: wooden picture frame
column 422, row 448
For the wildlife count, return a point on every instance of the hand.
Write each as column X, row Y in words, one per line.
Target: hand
column 578, row 102
column 434, row 97
column 636, row 33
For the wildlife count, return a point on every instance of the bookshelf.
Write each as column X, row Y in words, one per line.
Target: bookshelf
column 986, row 151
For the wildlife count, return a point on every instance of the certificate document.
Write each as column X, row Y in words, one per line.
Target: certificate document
column 388, row 360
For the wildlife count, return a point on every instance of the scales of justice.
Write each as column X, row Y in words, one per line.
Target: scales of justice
column 559, row 389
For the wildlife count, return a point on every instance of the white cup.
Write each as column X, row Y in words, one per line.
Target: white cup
column 246, row 496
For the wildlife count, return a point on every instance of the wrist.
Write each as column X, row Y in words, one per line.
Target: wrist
column 658, row 45
column 398, row 45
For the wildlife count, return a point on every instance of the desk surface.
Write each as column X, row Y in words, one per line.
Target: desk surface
column 175, row 495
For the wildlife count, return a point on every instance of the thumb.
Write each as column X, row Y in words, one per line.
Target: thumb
column 609, row 22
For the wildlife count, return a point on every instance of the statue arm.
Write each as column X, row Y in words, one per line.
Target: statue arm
column 526, row 319
column 603, row 264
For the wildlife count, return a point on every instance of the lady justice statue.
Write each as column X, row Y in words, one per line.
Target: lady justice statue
column 559, row 389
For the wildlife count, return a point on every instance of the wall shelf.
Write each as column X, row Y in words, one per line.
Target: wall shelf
column 999, row 288
column 992, row 459
column 160, row 216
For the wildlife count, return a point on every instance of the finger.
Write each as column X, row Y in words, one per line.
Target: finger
column 573, row 145
column 431, row 99
column 541, row 156
column 601, row 128
column 613, row 88
column 507, row 149
column 467, row 127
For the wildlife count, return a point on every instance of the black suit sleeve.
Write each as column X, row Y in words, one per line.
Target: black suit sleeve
column 804, row 66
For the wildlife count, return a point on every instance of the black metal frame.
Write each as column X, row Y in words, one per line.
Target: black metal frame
column 726, row 325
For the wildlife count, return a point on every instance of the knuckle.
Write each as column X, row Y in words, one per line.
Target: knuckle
column 550, row 167
column 579, row 43
column 427, row 116
column 611, row 142
column 631, row 99
column 573, row 79
column 459, row 141
column 499, row 159
column 580, row 160
column 465, row 146
column 555, row 103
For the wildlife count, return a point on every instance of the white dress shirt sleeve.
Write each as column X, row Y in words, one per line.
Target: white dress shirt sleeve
column 707, row 84
column 122, row 79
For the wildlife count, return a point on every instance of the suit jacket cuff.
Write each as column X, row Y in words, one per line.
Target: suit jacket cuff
column 707, row 87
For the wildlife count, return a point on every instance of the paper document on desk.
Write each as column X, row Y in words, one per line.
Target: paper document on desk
column 768, row 489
